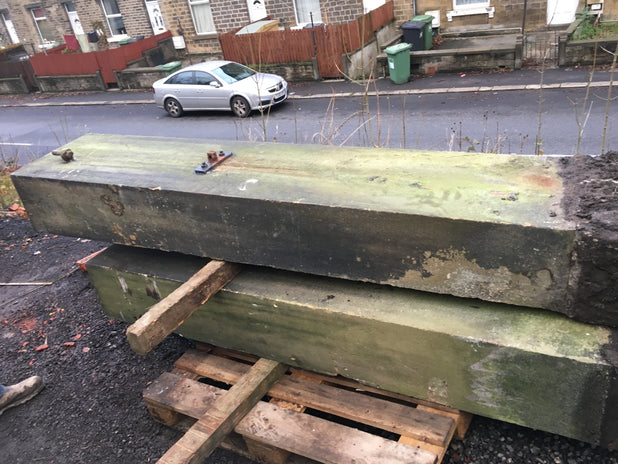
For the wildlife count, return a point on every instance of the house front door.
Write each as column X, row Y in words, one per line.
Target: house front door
column 561, row 11
column 156, row 18
column 76, row 25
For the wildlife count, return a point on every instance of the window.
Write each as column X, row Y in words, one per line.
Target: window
column 202, row 78
column 233, row 72
column 461, row 4
column 9, row 26
column 42, row 25
column 470, row 7
column 113, row 17
column 202, row 16
column 183, row 78
column 306, row 10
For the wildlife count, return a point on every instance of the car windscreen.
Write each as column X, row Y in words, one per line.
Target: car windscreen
column 233, row 72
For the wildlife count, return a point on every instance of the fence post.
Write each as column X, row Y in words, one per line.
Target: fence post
column 100, row 79
column 316, row 69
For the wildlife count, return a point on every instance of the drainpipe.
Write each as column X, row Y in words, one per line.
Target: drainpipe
column 413, row 7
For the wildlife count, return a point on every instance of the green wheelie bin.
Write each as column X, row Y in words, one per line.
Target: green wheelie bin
column 398, row 56
column 427, row 32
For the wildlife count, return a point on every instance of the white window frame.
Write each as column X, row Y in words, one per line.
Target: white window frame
column 477, row 8
column 8, row 24
column 317, row 17
column 36, row 23
column 193, row 3
column 114, row 37
column 476, row 4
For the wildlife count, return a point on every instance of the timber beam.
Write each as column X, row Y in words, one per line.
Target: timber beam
column 472, row 225
column 526, row 366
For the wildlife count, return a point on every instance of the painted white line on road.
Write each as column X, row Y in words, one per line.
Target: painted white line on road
column 16, row 144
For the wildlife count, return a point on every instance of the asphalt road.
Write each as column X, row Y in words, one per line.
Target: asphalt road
column 498, row 121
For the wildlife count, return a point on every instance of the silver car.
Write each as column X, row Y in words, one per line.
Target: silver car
column 219, row 85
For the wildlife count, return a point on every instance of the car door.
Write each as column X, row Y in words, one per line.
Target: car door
column 181, row 87
column 211, row 93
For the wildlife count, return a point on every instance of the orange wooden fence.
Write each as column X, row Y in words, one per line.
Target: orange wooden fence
column 106, row 61
column 331, row 42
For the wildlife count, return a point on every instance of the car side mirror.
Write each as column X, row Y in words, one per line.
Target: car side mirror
column 214, row 84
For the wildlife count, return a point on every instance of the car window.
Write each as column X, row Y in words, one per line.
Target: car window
column 233, row 72
column 202, row 78
column 181, row 78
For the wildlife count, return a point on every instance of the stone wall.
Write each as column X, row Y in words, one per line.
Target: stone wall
column 341, row 12
column 507, row 14
column 282, row 11
column 178, row 14
column 464, row 59
column 71, row 83
column 138, row 78
column 229, row 14
column 133, row 12
column 11, row 85
column 360, row 64
column 581, row 52
column 300, row 71
column 24, row 23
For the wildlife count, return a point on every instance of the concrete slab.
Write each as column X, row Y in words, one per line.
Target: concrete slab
column 472, row 225
column 530, row 367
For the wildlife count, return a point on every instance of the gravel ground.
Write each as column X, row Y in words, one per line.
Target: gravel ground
column 91, row 410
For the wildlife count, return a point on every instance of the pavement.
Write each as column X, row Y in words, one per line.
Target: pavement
column 503, row 81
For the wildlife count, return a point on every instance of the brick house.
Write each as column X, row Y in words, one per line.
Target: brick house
column 200, row 21
column 458, row 15
column 39, row 24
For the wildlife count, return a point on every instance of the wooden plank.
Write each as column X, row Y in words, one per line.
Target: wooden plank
column 168, row 314
column 325, row 441
column 462, row 419
column 267, row 454
column 286, row 429
column 439, row 451
column 210, row 430
column 386, row 415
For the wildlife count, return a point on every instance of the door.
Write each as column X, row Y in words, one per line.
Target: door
column 76, row 24
column 210, row 93
column 257, row 10
column 181, row 86
column 561, row 11
column 156, row 18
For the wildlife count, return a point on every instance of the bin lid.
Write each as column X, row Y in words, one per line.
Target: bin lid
column 413, row 25
column 170, row 65
column 397, row 48
column 424, row 18
column 124, row 41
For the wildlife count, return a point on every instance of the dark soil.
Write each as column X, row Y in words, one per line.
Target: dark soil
column 591, row 202
column 91, row 410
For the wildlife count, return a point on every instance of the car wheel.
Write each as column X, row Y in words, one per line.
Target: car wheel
column 240, row 107
column 173, row 108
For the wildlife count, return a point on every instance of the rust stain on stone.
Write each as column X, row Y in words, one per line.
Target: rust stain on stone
column 543, row 181
column 114, row 204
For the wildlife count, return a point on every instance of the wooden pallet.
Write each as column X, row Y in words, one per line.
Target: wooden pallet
column 307, row 417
